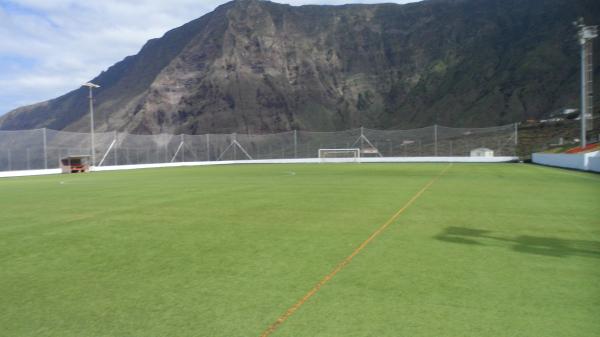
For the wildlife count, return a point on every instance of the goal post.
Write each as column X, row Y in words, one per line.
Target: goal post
column 339, row 155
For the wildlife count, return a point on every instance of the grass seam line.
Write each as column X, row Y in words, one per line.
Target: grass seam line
column 288, row 313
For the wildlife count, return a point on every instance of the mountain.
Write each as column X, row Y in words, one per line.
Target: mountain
column 258, row 66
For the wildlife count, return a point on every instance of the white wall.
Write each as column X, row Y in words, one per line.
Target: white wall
column 584, row 161
column 24, row 173
column 281, row 161
column 594, row 164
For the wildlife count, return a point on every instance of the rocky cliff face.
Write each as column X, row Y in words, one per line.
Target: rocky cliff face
column 258, row 66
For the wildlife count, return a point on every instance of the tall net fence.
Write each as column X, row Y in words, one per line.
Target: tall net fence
column 43, row 148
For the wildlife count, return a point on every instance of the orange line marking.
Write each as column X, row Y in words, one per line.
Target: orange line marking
column 349, row 258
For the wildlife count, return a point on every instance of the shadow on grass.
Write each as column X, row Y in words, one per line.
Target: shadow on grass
column 523, row 244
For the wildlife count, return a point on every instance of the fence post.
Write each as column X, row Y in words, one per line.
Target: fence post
column 207, row 147
column 167, row 152
column 295, row 144
column 116, row 147
column 516, row 139
column 362, row 137
column 182, row 148
column 435, row 137
column 45, row 149
column 234, row 135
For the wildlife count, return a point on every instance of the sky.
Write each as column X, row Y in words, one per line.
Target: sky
column 50, row 47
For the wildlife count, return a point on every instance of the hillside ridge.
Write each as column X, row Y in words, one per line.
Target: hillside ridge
column 259, row 66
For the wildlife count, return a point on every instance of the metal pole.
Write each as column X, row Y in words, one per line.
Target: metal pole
column 295, row 144
column 92, row 127
column 435, row 136
column 583, row 97
column 182, row 148
column 586, row 35
column 362, row 137
column 234, row 151
column 207, row 147
column 590, row 84
column 116, row 147
column 45, row 150
column 166, row 152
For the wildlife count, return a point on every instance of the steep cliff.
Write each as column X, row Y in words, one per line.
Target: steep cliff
column 259, row 66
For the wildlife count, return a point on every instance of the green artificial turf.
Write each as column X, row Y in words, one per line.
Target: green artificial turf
column 488, row 250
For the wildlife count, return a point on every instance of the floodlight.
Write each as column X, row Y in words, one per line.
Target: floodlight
column 90, row 85
column 93, row 145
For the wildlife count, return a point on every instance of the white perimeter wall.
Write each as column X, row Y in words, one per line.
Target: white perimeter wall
column 594, row 164
column 584, row 161
column 279, row 161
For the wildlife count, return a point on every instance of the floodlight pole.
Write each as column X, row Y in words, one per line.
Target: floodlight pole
column 583, row 102
column 92, row 127
column 45, row 149
column 91, row 86
column 586, row 35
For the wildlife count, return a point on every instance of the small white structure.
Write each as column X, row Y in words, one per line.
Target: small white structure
column 482, row 152
column 370, row 152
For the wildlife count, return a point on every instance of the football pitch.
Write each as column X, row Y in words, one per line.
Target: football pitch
column 319, row 250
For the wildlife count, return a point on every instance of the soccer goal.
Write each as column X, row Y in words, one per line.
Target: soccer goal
column 339, row 155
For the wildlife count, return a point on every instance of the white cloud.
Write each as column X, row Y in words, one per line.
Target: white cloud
column 48, row 47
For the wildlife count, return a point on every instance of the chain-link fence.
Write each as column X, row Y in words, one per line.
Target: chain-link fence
column 43, row 148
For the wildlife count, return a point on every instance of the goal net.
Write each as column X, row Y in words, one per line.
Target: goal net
column 339, row 155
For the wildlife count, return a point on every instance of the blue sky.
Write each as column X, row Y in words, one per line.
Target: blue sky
column 50, row 47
